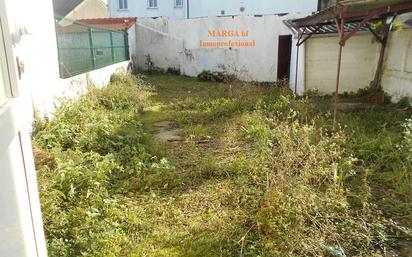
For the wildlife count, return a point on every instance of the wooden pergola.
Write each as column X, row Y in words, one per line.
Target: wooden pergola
column 346, row 19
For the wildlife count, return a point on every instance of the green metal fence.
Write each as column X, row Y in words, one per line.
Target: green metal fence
column 83, row 48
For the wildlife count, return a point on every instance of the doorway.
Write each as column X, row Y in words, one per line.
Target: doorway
column 284, row 57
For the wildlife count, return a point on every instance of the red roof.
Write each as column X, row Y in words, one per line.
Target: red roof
column 112, row 23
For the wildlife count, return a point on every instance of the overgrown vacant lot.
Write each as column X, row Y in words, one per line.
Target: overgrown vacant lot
column 256, row 172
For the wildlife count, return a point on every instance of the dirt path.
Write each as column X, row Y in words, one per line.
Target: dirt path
column 166, row 132
column 195, row 214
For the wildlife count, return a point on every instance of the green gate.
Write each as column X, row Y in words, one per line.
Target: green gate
column 84, row 48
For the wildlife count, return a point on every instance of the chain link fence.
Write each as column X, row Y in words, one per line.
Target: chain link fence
column 84, row 48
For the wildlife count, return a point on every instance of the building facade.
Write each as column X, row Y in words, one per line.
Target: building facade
column 181, row 9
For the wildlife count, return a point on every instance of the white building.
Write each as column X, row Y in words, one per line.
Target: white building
column 180, row 9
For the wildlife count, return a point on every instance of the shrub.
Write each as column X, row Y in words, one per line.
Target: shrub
column 216, row 76
column 95, row 152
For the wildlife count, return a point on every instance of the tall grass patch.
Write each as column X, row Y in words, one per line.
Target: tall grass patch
column 96, row 159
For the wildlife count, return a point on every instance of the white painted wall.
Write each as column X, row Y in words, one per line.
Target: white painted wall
column 131, row 36
column 297, row 82
column 47, row 98
column 206, row 8
column 175, row 43
column 165, row 51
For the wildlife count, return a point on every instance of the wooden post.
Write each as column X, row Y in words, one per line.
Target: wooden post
column 378, row 73
column 341, row 29
column 337, row 85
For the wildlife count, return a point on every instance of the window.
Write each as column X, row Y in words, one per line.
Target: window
column 178, row 3
column 152, row 4
column 123, row 4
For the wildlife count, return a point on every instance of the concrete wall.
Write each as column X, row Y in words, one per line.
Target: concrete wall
column 165, row 51
column 89, row 9
column 176, row 43
column 206, row 8
column 397, row 76
column 47, row 97
column 359, row 62
column 131, row 36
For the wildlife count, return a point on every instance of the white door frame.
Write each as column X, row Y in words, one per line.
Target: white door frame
column 21, row 228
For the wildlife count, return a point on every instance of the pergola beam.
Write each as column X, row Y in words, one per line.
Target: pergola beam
column 300, row 41
column 352, row 17
column 377, row 37
column 384, row 42
column 358, row 27
column 350, row 14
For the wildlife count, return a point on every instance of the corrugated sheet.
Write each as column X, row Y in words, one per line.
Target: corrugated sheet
column 354, row 7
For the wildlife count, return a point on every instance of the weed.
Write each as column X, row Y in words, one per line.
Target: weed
column 403, row 103
column 262, row 173
column 96, row 147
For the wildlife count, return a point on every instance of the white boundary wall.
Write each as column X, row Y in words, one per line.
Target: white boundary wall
column 47, row 97
column 176, row 44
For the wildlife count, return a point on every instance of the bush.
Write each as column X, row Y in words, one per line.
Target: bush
column 403, row 103
column 262, row 173
column 216, row 76
column 95, row 152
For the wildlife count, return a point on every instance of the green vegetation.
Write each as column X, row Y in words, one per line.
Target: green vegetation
column 260, row 173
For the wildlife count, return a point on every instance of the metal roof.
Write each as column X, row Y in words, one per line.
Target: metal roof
column 355, row 11
column 326, row 28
